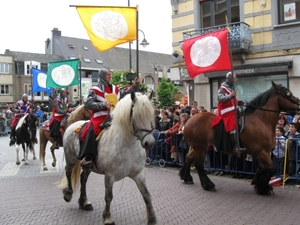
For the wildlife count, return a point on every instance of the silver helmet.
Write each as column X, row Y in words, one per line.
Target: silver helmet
column 102, row 72
column 230, row 78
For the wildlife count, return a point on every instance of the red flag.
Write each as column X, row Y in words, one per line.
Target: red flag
column 207, row 53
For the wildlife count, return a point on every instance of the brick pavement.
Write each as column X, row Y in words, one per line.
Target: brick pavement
column 30, row 196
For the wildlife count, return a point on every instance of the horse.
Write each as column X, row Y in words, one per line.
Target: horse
column 80, row 113
column 258, row 137
column 121, row 153
column 25, row 134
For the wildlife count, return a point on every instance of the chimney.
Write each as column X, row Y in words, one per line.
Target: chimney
column 56, row 32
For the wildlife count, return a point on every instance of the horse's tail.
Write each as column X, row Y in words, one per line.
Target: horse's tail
column 75, row 178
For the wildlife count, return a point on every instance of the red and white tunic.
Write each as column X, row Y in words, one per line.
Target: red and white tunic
column 63, row 104
column 21, row 105
column 226, row 112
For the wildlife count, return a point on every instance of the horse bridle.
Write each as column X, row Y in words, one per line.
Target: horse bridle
column 136, row 130
column 279, row 93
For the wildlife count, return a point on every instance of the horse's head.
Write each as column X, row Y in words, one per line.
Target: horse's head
column 289, row 102
column 136, row 114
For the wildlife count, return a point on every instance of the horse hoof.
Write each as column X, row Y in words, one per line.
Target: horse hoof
column 211, row 189
column 53, row 164
column 45, row 168
column 67, row 195
column 109, row 221
column 26, row 163
column 189, row 182
column 18, row 162
column 23, row 160
column 87, row 206
column 34, row 158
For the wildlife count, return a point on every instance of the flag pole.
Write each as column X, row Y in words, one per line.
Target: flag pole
column 79, row 70
column 31, row 88
column 137, row 41
column 237, row 136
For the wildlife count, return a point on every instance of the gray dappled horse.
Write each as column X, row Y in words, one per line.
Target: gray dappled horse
column 121, row 153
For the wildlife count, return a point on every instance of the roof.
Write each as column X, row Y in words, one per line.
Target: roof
column 27, row 56
column 116, row 58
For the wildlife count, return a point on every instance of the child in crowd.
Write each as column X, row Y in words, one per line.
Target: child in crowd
column 278, row 151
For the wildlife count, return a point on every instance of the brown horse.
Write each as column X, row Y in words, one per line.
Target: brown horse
column 258, row 136
column 80, row 113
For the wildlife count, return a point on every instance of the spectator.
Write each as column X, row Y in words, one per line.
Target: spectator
column 282, row 122
column 172, row 136
column 292, row 147
column 164, row 123
column 183, row 145
column 194, row 110
column 171, row 110
column 2, row 124
column 278, row 151
column 195, row 104
column 156, row 118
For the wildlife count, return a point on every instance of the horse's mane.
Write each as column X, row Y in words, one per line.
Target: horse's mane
column 259, row 101
column 21, row 121
column 142, row 111
column 75, row 113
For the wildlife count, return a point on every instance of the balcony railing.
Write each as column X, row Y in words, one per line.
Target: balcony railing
column 240, row 35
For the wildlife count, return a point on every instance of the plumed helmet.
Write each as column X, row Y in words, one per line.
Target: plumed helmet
column 102, row 72
column 229, row 78
column 24, row 95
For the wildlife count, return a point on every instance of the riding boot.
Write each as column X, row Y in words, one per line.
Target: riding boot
column 233, row 139
column 12, row 136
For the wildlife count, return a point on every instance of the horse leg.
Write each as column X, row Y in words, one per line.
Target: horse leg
column 263, row 175
column 25, row 150
column 141, row 184
column 17, row 151
column 83, row 201
column 53, row 157
column 33, row 152
column 185, row 171
column 206, row 183
column 43, row 144
column 68, row 191
column 107, row 219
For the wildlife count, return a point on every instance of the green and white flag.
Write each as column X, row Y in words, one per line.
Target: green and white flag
column 62, row 73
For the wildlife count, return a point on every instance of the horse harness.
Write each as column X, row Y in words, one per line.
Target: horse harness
column 136, row 130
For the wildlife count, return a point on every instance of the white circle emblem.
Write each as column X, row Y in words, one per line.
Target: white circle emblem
column 109, row 25
column 63, row 75
column 41, row 80
column 206, row 51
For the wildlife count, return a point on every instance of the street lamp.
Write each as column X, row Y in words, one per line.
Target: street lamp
column 144, row 43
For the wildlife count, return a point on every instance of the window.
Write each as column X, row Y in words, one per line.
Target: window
column 248, row 87
column 99, row 61
column 33, row 64
column 214, row 13
column 5, row 90
column 289, row 11
column 86, row 60
column 4, row 68
column 85, row 48
column 27, row 89
column 72, row 57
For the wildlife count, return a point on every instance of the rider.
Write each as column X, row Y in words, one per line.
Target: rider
column 22, row 107
column 226, row 107
column 100, row 108
column 59, row 118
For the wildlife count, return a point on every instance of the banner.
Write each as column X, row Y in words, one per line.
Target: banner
column 39, row 78
column 108, row 26
column 207, row 53
column 63, row 73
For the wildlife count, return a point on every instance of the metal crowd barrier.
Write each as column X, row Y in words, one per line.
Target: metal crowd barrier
column 5, row 127
column 219, row 162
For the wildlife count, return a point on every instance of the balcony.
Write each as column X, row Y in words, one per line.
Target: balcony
column 240, row 35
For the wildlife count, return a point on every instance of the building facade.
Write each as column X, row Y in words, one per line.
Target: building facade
column 7, row 91
column 263, row 44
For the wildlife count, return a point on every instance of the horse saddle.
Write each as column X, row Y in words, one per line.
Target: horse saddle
column 106, row 123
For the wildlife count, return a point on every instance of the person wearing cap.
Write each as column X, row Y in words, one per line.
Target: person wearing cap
column 61, row 107
column 226, row 107
column 101, row 110
column 22, row 107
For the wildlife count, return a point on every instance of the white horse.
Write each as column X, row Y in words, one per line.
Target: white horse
column 121, row 153
column 25, row 133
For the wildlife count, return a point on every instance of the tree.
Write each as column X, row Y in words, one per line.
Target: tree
column 166, row 91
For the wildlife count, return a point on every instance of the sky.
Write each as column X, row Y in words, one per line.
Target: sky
column 26, row 24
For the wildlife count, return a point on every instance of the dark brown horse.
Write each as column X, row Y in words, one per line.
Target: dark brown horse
column 258, row 136
column 80, row 113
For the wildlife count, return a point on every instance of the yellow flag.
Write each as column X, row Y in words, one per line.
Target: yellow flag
column 108, row 26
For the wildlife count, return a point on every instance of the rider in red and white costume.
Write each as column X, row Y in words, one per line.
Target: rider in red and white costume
column 226, row 107
column 22, row 107
column 60, row 110
column 100, row 108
